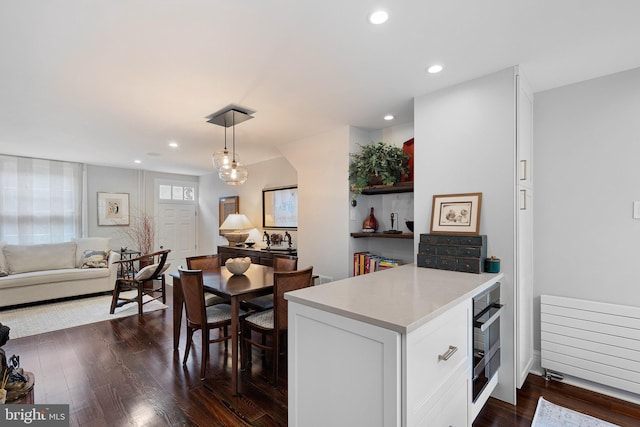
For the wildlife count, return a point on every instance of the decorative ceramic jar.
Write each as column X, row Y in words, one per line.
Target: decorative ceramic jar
column 370, row 224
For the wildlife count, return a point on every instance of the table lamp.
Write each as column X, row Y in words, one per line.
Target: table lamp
column 236, row 229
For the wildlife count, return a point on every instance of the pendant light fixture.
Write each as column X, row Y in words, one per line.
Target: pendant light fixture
column 223, row 157
column 228, row 164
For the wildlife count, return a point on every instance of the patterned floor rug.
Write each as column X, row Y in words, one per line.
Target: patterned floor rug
column 551, row 415
column 67, row 314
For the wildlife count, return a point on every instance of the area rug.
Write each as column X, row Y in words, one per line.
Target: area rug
column 67, row 314
column 551, row 415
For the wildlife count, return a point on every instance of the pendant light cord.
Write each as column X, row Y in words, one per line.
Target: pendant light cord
column 234, row 135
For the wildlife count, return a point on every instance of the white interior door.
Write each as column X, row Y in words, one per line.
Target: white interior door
column 177, row 231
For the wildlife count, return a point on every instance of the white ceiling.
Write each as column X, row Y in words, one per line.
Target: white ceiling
column 109, row 81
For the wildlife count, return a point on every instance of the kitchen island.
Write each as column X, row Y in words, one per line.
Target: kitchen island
column 392, row 348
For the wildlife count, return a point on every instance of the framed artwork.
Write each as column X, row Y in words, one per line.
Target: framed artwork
column 113, row 208
column 228, row 205
column 456, row 213
column 280, row 207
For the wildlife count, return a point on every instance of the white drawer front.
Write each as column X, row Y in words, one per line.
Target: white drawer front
column 426, row 370
column 451, row 409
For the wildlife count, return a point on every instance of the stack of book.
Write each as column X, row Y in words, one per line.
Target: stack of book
column 365, row 262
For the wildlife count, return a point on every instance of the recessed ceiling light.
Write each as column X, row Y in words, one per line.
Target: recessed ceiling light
column 378, row 17
column 137, row 161
column 434, row 69
column 389, row 117
column 173, row 144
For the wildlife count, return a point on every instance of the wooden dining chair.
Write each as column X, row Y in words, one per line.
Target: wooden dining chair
column 207, row 263
column 265, row 302
column 201, row 317
column 273, row 322
column 144, row 280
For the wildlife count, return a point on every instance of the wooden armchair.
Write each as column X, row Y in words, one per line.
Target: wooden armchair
column 143, row 279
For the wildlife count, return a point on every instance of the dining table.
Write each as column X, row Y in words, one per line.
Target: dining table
column 256, row 281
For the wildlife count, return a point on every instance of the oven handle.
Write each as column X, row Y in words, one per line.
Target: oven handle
column 484, row 326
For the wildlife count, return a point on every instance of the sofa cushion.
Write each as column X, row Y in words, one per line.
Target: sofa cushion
column 95, row 259
column 52, row 276
column 26, row 258
column 90, row 244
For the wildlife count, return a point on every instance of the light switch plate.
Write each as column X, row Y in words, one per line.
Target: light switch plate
column 636, row 210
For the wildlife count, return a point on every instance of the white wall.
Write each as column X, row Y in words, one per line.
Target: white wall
column 111, row 180
column 322, row 162
column 139, row 184
column 211, row 189
column 586, row 153
column 270, row 173
column 465, row 143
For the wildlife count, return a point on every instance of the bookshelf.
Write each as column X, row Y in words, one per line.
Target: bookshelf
column 384, row 235
column 366, row 262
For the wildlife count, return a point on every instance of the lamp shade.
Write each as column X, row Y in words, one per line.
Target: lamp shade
column 234, row 228
column 236, row 222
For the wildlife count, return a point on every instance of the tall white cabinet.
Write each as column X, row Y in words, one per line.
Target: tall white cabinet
column 476, row 137
column 524, row 235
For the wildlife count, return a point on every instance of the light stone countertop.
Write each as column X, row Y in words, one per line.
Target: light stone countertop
column 400, row 299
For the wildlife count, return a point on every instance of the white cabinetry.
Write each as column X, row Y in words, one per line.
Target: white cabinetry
column 524, row 235
column 435, row 355
column 343, row 372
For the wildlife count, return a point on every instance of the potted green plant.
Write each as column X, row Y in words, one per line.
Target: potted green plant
column 376, row 164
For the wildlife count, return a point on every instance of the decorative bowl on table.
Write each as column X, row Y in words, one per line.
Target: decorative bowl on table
column 238, row 266
column 409, row 225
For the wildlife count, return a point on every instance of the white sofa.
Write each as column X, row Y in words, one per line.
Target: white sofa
column 58, row 270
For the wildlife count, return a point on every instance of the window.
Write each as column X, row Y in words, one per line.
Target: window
column 40, row 200
column 176, row 192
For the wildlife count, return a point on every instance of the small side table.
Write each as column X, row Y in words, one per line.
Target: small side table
column 128, row 254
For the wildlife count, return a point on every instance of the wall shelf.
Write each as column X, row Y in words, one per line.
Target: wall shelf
column 401, row 187
column 383, row 235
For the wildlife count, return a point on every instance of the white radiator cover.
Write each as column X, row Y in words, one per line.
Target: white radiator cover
column 592, row 340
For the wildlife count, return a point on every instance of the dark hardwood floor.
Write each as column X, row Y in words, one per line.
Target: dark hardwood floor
column 124, row 372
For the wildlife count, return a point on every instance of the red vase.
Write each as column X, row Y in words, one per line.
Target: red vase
column 371, row 223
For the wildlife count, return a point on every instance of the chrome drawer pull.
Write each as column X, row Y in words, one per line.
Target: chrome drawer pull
column 448, row 354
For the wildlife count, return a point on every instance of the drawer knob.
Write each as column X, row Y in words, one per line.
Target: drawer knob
column 447, row 355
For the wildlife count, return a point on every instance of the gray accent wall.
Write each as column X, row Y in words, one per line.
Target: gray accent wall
column 586, row 155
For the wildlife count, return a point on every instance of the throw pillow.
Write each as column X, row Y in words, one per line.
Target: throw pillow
column 95, row 259
column 147, row 271
column 90, row 244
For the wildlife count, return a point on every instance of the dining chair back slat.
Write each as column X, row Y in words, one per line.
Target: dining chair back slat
column 204, row 262
column 285, row 263
column 285, row 282
column 193, row 290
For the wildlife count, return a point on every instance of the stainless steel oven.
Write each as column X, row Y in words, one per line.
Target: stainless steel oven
column 486, row 337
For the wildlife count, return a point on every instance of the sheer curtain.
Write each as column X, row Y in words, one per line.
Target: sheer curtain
column 40, row 200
